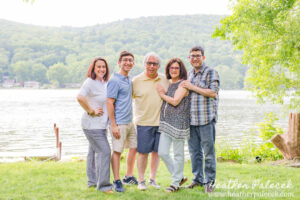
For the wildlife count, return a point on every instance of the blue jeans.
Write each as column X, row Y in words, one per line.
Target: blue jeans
column 202, row 140
column 175, row 165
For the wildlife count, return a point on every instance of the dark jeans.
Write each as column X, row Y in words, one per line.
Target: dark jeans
column 202, row 140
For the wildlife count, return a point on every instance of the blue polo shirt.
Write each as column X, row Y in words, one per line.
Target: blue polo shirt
column 119, row 87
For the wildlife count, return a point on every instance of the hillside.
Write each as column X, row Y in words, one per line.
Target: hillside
column 62, row 55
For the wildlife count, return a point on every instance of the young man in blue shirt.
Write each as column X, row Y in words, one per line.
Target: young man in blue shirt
column 119, row 106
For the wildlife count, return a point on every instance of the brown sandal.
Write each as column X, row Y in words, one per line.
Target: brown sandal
column 172, row 188
column 183, row 180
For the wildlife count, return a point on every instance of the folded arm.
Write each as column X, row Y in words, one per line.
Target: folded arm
column 203, row 91
column 178, row 96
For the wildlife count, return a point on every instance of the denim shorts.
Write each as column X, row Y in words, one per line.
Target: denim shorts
column 147, row 139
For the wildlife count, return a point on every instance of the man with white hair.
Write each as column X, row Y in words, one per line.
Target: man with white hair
column 147, row 104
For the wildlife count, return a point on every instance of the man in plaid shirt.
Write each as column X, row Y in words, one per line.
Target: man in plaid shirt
column 203, row 83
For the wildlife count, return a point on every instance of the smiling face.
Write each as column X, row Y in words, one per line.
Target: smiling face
column 196, row 59
column 126, row 63
column 100, row 69
column 152, row 65
column 174, row 71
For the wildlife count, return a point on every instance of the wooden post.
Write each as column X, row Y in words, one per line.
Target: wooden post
column 289, row 143
column 58, row 143
column 58, row 151
column 56, row 131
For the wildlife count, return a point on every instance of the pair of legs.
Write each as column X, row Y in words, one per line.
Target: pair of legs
column 142, row 165
column 115, row 163
column 127, row 139
column 98, row 165
column 202, row 140
column 175, row 165
column 148, row 140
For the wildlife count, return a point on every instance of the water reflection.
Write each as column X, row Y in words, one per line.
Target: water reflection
column 27, row 118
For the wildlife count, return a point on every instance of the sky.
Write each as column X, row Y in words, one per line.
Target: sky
column 80, row 13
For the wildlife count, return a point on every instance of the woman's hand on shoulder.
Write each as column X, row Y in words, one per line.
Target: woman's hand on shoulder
column 183, row 89
column 160, row 89
column 186, row 84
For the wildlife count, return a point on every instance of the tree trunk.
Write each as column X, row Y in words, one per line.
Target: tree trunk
column 289, row 143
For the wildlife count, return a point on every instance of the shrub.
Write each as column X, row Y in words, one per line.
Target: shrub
column 250, row 150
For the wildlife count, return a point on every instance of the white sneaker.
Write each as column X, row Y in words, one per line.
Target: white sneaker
column 142, row 185
column 154, row 184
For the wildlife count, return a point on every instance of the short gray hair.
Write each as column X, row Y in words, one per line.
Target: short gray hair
column 151, row 54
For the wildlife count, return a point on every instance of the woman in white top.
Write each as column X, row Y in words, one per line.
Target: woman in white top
column 92, row 98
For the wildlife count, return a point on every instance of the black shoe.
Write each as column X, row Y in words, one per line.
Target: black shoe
column 118, row 186
column 194, row 184
column 209, row 187
column 129, row 180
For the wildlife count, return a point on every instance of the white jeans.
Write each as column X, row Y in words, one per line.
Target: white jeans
column 175, row 165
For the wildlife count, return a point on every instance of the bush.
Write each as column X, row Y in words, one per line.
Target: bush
column 267, row 130
column 250, row 150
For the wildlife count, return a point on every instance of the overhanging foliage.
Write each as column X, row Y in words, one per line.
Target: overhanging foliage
column 268, row 33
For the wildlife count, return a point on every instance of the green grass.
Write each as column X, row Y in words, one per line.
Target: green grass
column 67, row 180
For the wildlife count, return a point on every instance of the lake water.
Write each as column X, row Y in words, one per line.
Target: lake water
column 27, row 118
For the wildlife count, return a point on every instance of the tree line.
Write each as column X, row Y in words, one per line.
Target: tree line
column 57, row 56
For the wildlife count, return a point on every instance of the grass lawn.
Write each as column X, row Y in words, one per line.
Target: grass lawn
column 67, row 180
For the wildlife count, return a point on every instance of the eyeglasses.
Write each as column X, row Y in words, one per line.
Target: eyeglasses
column 152, row 63
column 174, row 68
column 197, row 56
column 127, row 60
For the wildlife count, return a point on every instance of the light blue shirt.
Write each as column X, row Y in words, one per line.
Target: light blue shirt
column 119, row 87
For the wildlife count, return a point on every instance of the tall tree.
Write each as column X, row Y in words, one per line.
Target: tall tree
column 268, row 33
column 39, row 73
column 4, row 61
column 58, row 74
column 23, row 70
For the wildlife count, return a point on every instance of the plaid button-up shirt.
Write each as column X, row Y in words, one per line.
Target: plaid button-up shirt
column 204, row 109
